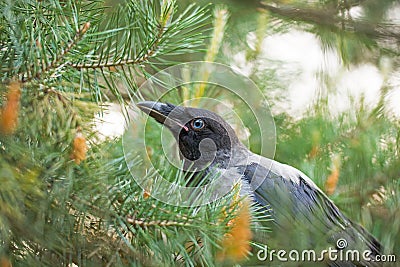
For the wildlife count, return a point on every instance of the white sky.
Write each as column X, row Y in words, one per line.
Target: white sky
column 303, row 59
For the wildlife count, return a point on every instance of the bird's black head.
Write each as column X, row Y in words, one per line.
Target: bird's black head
column 203, row 136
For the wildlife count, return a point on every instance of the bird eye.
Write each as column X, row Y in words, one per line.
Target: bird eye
column 197, row 124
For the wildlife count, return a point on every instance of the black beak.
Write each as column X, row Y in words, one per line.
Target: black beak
column 167, row 114
column 157, row 110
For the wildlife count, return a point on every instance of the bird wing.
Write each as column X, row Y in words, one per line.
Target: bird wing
column 305, row 218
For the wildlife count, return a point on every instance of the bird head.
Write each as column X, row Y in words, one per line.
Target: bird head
column 203, row 136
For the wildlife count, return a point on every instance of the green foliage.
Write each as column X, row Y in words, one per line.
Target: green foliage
column 81, row 46
column 367, row 146
column 69, row 57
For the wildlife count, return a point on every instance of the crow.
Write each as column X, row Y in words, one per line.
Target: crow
column 303, row 217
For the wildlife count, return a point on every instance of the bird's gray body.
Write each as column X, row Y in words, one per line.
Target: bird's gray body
column 303, row 216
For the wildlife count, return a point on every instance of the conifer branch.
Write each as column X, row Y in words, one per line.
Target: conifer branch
column 65, row 102
column 145, row 223
column 181, row 216
column 58, row 58
column 328, row 18
column 150, row 52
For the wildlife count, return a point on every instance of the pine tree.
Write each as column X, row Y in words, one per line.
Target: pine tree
column 67, row 199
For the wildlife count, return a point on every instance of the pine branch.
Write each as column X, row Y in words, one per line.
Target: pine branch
column 137, row 42
column 36, row 39
column 134, row 40
column 123, row 62
column 163, row 223
column 56, row 62
column 329, row 18
column 66, row 103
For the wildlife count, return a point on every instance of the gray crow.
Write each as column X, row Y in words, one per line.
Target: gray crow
column 304, row 218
